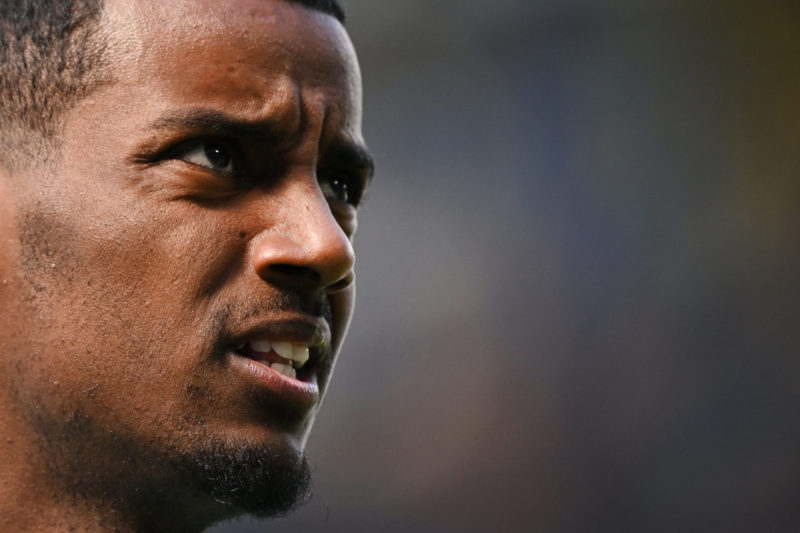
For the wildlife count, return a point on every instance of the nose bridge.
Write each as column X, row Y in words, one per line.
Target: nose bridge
column 304, row 247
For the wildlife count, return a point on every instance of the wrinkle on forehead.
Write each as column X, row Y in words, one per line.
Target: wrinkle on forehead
column 225, row 47
column 256, row 20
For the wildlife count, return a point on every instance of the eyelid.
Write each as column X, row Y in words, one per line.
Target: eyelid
column 346, row 215
column 355, row 180
column 179, row 149
column 200, row 147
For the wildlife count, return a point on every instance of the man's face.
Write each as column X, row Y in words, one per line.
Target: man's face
column 195, row 223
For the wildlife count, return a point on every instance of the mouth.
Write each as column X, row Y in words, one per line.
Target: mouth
column 290, row 359
column 284, row 360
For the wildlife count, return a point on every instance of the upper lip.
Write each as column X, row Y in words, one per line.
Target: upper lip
column 315, row 333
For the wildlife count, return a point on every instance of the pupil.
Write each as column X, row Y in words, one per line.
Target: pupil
column 217, row 155
column 341, row 189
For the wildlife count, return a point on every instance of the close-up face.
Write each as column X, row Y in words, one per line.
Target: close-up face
column 181, row 270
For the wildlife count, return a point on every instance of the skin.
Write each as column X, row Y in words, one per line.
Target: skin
column 132, row 266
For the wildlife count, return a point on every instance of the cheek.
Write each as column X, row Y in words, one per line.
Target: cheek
column 115, row 310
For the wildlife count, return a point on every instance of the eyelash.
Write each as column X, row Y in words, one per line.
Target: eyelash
column 350, row 186
column 220, row 148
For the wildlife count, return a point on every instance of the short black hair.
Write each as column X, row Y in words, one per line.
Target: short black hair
column 49, row 60
column 51, row 57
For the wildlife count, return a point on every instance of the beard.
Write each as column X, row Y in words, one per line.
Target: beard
column 213, row 479
column 97, row 458
column 247, row 478
column 174, row 488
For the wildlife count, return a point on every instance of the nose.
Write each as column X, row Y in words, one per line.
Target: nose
column 306, row 249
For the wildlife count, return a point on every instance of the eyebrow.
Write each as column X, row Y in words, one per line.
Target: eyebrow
column 218, row 123
column 354, row 156
column 351, row 154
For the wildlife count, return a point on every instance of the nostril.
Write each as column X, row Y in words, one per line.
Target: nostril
column 296, row 274
column 313, row 255
column 342, row 283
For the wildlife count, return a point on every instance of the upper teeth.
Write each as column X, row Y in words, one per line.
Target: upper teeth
column 297, row 353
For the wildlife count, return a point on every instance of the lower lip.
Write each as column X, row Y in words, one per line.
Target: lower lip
column 294, row 391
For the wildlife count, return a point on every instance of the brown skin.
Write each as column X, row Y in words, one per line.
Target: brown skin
column 131, row 265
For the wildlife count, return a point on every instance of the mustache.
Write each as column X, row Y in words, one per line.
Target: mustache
column 232, row 317
column 284, row 302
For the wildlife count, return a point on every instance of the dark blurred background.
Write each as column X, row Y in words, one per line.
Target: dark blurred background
column 579, row 273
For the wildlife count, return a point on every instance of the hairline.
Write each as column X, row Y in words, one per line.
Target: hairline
column 32, row 130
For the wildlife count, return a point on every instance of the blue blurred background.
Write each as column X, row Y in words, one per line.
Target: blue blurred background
column 579, row 273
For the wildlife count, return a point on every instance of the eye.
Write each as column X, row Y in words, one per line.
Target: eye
column 213, row 155
column 335, row 189
column 340, row 188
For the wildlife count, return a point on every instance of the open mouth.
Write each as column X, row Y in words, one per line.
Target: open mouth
column 287, row 358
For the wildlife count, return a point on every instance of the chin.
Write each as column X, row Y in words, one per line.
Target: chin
column 245, row 478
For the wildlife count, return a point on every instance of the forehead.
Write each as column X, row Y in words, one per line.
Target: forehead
column 253, row 55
